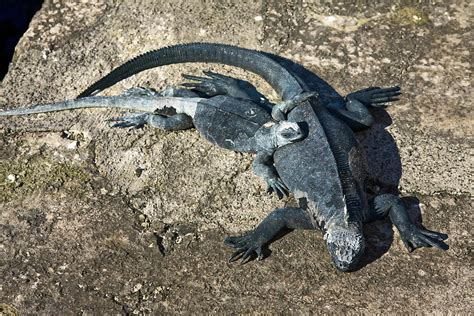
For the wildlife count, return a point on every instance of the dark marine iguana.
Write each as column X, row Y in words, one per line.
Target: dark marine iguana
column 325, row 170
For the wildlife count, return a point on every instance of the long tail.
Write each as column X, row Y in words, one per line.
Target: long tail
column 278, row 77
column 142, row 103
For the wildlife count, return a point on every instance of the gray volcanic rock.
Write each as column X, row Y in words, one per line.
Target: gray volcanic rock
column 101, row 220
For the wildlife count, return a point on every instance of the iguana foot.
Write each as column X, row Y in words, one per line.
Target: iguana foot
column 247, row 246
column 133, row 121
column 276, row 185
column 356, row 113
column 412, row 236
column 415, row 237
column 375, row 96
column 175, row 122
column 254, row 242
column 140, row 91
column 212, row 85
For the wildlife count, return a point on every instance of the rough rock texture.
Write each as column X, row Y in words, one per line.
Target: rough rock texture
column 99, row 220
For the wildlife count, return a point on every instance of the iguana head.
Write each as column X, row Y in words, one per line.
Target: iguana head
column 287, row 133
column 346, row 245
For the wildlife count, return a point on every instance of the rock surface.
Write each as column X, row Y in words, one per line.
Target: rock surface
column 99, row 220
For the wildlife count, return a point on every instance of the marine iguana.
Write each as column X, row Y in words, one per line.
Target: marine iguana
column 325, row 170
column 245, row 128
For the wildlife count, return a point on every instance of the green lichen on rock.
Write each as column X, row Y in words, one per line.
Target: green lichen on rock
column 40, row 172
column 8, row 310
column 410, row 16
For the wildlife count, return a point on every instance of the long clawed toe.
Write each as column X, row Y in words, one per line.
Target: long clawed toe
column 192, row 85
column 439, row 236
column 194, row 78
column 211, row 85
column 419, row 238
column 276, row 185
column 216, row 75
column 246, row 249
column 123, row 125
column 211, row 77
column 384, row 95
column 434, row 239
column 279, row 191
column 247, row 254
column 237, row 255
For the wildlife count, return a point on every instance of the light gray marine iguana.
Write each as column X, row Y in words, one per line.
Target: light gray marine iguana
column 247, row 127
column 325, row 170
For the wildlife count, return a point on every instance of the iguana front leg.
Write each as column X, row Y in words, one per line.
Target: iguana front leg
column 267, row 139
column 280, row 110
column 165, row 118
column 412, row 236
column 217, row 84
column 263, row 167
column 254, row 242
column 375, row 96
column 356, row 112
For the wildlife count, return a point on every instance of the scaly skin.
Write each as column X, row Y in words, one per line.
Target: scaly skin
column 248, row 127
column 325, row 171
column 343, row 228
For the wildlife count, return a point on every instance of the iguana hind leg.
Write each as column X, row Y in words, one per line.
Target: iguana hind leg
column 356, row 112
column 164, row 118
column 217, row 84
column 171, row 123
column 254, row 242
column 412, row 236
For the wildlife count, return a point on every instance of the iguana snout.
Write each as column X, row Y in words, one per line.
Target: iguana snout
column 346, row 245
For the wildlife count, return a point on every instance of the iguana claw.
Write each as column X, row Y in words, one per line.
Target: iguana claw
column 375, row 96
column 276, row 185
column 212, row 85
column 415, row 237
column 246, row 248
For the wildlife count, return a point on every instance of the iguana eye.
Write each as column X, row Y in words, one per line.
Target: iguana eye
column 291, row 132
